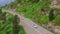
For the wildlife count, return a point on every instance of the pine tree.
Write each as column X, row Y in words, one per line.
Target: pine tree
column 8, row 32
column 4, row 16
column 18, row 1
column 0, row 10
column 15, row 24
column 0, row 13
column 51, row 15
column 34, row 1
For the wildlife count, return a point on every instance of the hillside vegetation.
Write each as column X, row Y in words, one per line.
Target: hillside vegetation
column 9, row 24
column 38, row 11
column 35, row 10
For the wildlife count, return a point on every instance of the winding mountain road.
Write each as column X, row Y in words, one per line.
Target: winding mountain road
column 28, row 25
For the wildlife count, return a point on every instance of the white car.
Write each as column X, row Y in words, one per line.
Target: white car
column 34, row 26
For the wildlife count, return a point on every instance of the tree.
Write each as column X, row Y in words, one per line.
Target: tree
column 51, row 15
column 0, row 10
column 0, row 13
column 13, row 5
column 15, row 23
column 4, row 16
column 8, row 32
column 34, row 1
column 18, row 1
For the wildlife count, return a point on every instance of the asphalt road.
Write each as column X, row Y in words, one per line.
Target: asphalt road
column 28, row 25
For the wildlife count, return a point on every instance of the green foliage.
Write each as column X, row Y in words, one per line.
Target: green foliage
column 21, row 30
column 10, row 16
column 56, row 21
column 44, row 19
column 5, row 27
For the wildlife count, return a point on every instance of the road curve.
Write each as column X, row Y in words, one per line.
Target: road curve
column 28, row 25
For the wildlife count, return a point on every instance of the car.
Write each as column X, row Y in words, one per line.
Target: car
column 34, row 26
